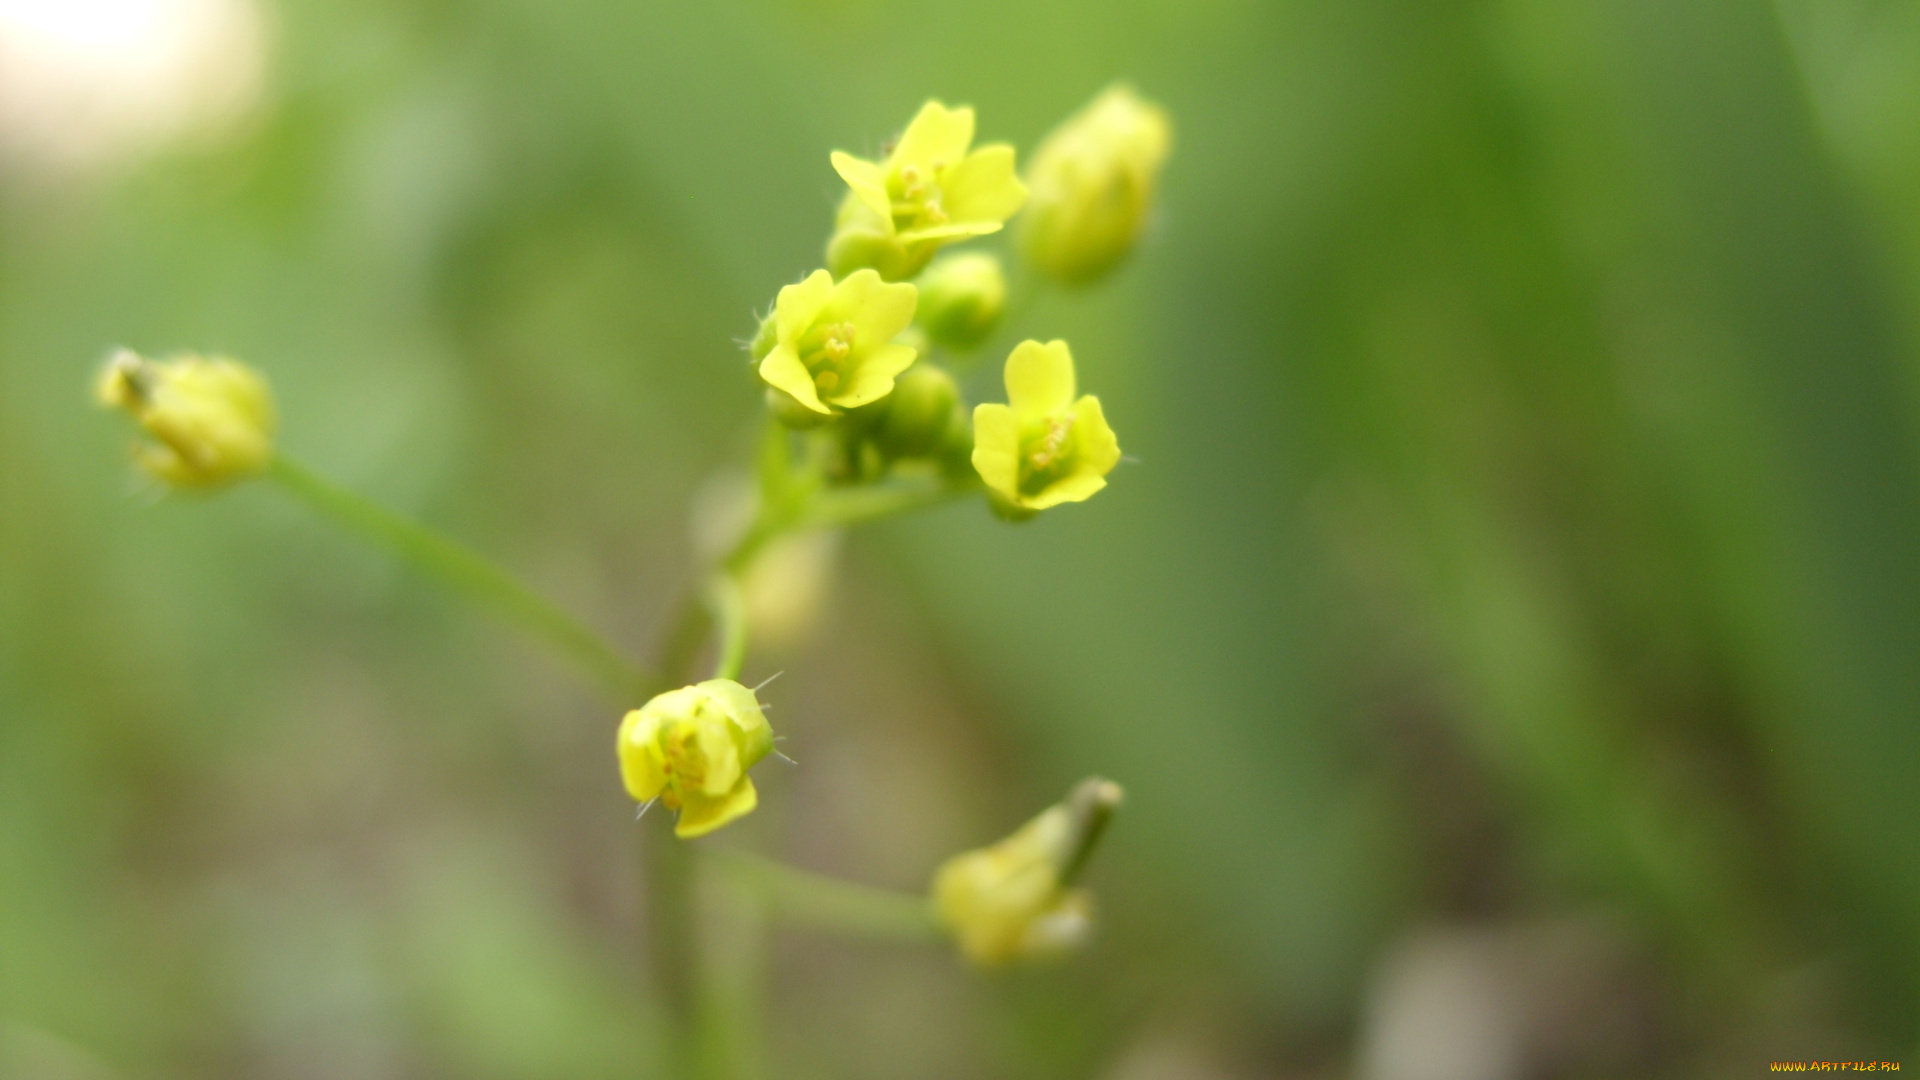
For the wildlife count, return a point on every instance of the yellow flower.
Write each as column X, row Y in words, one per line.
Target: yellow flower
column 212, row 418
column 833, row 344
column 928, row 192
column 1012, row 901
column 1043, row 448
column 691, row 749
column 1093, row 181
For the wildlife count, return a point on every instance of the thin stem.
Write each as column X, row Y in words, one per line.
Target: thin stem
column 853, row 506
column 730, row 622
column 468, row 574
column 672, row 943
column 823, row 903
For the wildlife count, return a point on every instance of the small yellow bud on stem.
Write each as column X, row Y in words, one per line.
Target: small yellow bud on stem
column 1014, row 900
column 211, row 419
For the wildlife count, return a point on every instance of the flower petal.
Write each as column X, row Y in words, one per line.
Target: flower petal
column 996, row 448
column 798, row 305
column 873, row 379
column 640, row 767
column 719, row 752
column 1074, row 488
column 1040, row 378
column 783, row 370
column 984, row 187
column 937, row 134
column 868, row 181
column 751, row 731
column 877, row 309
column 700, row 815
column 1095, row 443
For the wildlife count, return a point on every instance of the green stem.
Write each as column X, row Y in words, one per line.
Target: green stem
column 853, row 506
column 813, row 900
column 466, row 573
column 730, row 621
column 673, row 946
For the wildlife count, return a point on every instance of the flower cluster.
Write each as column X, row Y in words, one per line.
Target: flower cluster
column 855, row 351
column 867, row 417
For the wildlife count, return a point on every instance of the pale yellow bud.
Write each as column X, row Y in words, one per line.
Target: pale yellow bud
column 212, row 419
column 1012, row 900
column 1092, row 184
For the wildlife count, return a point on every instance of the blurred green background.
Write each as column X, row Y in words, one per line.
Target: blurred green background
column 1509, row 636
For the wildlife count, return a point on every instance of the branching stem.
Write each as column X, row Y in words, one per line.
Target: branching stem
column 468, row 574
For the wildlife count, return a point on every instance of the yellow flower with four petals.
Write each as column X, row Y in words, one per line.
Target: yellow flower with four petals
column 1043, row 447
column 833, row 344
column 691, row 749
column 928, row 192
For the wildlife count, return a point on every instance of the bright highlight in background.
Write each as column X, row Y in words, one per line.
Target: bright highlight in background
column 83, row 81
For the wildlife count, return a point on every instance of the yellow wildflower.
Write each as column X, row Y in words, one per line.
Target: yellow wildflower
column 213, row 419
column 1093, row 181
column 1043, row 448
column 1011, row 900
column 691, row 749
column 833, row 344
column 928, row 192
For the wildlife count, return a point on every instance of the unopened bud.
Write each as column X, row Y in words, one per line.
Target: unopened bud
column 1092, row 184
column 918, row 412
column 212, row 419
column 1013, row 900
column 961, row 298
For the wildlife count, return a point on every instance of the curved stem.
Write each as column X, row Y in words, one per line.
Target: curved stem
column 730, row 622
column 468, row 574
column 814, row 900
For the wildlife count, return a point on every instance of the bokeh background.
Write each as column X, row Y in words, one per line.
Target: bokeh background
column 1509, row 635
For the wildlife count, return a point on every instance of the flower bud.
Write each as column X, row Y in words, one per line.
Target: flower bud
column 918, row 412
column 691, row 749
column 1092, row 184
column 1013, row 900
column 961, row 298
column 212, row 419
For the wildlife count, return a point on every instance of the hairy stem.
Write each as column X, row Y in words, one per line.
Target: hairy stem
column 461, row 570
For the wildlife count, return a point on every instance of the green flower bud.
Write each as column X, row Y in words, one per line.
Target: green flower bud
column 919, row 412
column 961, row 298
column 1092, row 182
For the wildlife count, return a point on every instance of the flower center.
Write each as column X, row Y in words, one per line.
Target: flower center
column 1046, row 454
column 824, row 350
column 682, row 762
column 916, row 195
